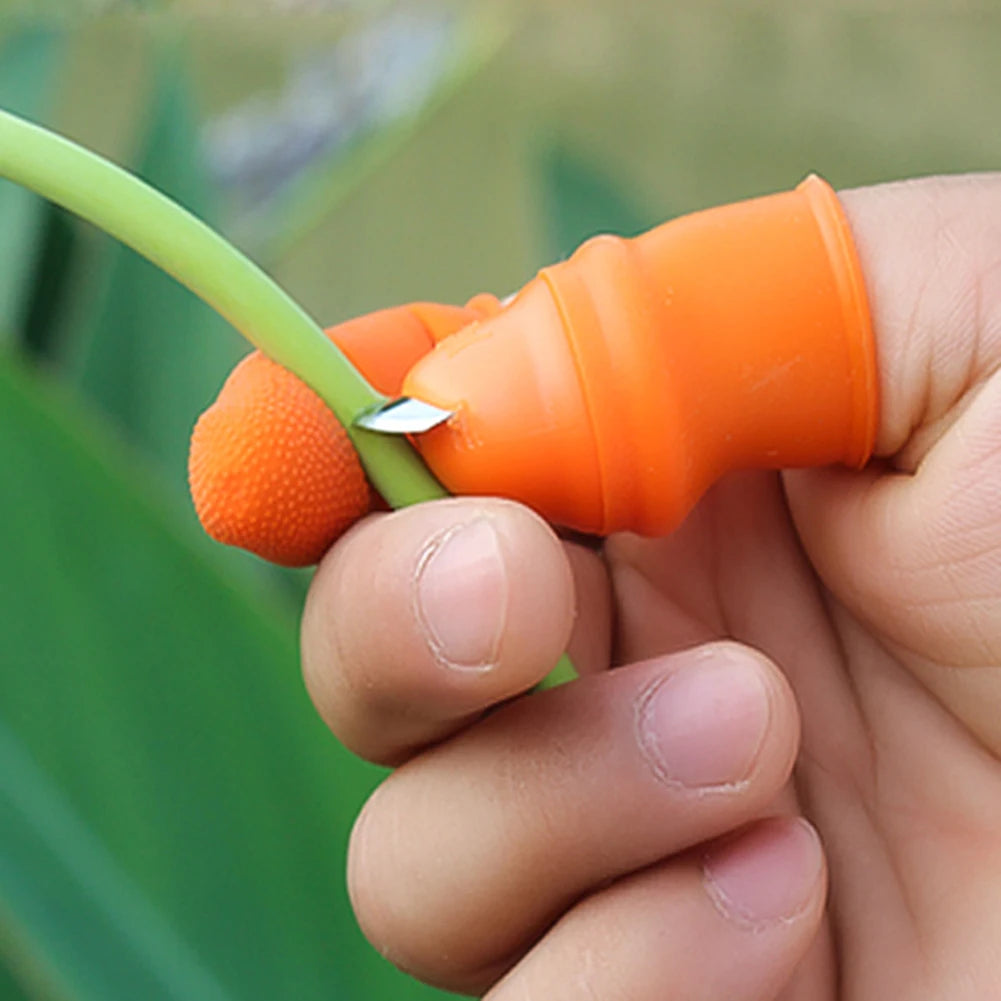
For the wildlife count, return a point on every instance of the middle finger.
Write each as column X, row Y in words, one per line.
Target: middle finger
column 470, row 851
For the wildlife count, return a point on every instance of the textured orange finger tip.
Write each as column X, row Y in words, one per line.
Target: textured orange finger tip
column 272, row 470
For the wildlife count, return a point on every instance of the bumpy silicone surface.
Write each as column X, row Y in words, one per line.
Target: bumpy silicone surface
column 270, row 468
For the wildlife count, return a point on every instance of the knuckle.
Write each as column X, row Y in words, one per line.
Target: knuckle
column 371, row 871
column 381, row 877
column 390, row 859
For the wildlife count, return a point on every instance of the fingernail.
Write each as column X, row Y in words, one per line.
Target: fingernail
column 461, row 596
column 767, row 874
column 703, row 726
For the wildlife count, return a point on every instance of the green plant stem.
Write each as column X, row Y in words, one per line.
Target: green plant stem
column 186, row 248
column 563, row 672
column 183, row 246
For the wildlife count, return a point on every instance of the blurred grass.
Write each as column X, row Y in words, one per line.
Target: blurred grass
column 28, row 68
column 146, row 351
column 149, row 677
column 160, row 697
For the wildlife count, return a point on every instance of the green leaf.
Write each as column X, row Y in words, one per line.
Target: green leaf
column 150, row 354
column 580, row 200
column 28, row 62
column 74, row 921
column 163, row 706
column 11, row 988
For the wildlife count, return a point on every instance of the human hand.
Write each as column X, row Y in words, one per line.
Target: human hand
column 639, row 833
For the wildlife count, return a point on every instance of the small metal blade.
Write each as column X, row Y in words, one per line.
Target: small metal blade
column 403, row 416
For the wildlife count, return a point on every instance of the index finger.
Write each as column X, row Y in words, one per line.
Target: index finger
column 420, row 620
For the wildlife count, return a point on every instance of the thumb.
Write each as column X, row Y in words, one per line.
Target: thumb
column 913, row 545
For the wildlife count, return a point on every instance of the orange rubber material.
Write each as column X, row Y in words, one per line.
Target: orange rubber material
column 618, row 385
column 270, row 468
column 384, row 345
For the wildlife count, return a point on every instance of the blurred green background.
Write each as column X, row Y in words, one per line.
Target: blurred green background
column 173, row 816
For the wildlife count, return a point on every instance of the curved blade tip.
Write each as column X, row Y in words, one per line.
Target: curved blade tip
column 405, row 415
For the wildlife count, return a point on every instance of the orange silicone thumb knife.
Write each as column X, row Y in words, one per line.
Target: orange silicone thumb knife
column 618, row 385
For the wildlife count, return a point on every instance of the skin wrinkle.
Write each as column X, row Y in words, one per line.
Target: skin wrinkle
column 923, row 606
column 807, row 762
column 919, row 414
column 860, row 774
column 940, row 564
column 718, row 537
column 867, row 792
column 921, row 655
column 988, row 319
column 621, row 570
column 920, row 652
column 865, row 782
column 589, row 646
column 805, row 985
column 979, row 278
column 906, row 349
column 976, row 456
column 945, row 399
column 953, row 569
column 956, row 548
column 547, row 924
column 974, row 816
column 916, row 340
column 949, row 568
column 903, row 897
column 906, row 677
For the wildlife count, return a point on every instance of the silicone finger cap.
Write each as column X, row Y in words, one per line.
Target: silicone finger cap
column 618, row 385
